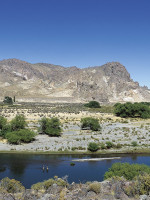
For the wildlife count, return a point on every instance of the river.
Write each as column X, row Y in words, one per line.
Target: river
column 27, row 168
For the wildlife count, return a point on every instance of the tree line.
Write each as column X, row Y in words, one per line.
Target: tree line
column 16, row 131
column 133, row 110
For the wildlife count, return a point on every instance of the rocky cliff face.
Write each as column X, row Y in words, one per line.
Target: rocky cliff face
column 52, row 83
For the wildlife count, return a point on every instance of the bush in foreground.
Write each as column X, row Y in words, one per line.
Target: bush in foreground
column 11, row 185
column 95, row 187
column 139, row 186
column 51, row 126
column 90, row 123
column 128, row 171
column 48, row 183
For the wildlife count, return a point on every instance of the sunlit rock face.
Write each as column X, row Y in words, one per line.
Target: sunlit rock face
column 42, row 82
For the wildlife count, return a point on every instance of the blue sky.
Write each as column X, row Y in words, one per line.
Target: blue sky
column 78, row 33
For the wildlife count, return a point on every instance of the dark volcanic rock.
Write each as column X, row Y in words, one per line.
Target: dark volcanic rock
column 110, row 190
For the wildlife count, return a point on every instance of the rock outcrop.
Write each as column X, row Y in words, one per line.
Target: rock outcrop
column 42, row 82
column 108, row 190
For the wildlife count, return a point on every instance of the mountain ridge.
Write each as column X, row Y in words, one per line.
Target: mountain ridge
column 45, row 82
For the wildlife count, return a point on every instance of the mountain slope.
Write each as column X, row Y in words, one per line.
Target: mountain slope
column 48, row 83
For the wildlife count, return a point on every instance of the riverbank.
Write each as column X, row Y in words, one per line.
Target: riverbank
column 59, row 189
column 103, row 152
column 125, row 135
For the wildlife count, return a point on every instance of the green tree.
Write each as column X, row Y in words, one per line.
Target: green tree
column 3, row 122
column 134, row 143
column 13, row 138
column 18, row 123
column 93, row 104
column 8, row 100
column 43, row 124
column 132, row 110
column 22, row 135
column 51, row 126
column 92, row 146
column 4, row 126
column 15, row 131
column 90, row 123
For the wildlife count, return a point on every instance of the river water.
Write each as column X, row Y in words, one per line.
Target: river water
column 27, row 168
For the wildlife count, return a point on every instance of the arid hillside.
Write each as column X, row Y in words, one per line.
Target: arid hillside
column 42, row 82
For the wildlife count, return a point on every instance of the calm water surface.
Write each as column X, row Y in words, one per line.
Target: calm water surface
column 27, row 168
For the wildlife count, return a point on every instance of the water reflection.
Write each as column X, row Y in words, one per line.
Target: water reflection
column 134, row 157
column 2, row 169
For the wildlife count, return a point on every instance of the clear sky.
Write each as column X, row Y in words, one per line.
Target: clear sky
column 78, row 33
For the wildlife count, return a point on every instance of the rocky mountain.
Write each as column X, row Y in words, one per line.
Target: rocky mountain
column 43, row 82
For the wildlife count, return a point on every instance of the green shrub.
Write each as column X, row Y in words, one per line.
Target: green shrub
column 109, row 145
column 18, row 123
column 73, row 148
column 90, row 123
column 118, row 146
column 5, row 130
column 93, row 146
column 51, row 126
column 11, row 185
column 3, row 122
column 134, row 144
column 95, row 187
column 4, row 126
column 139, row 186
column 103, row 146
column 26, row 135
column 43, row 124
column 38, row 186
column 23, row 135
column 142, row 184
column 72, row 164
column 128, row 171
column 48, row 183
column 13, row 138
column 61, row 182
column 93, row 104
